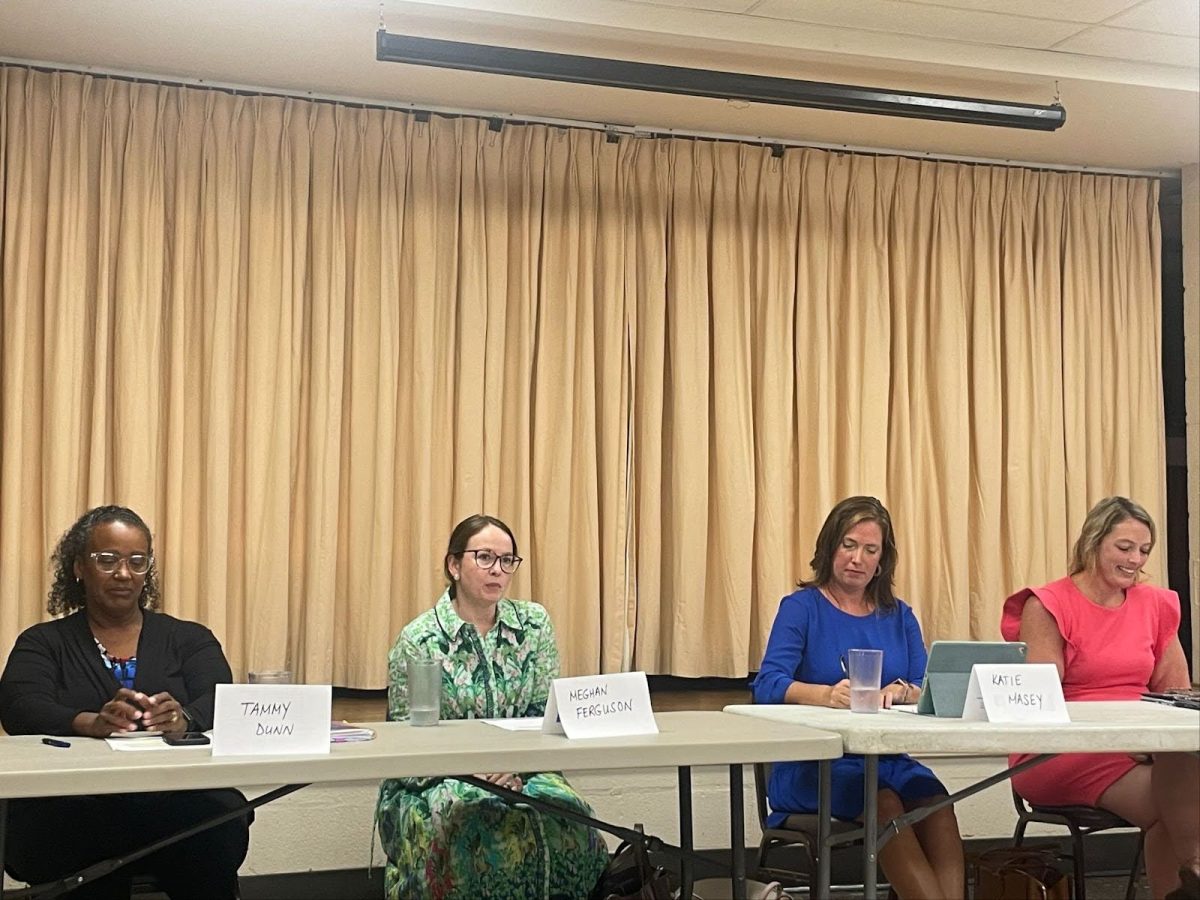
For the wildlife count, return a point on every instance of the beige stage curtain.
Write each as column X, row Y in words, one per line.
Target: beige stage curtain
column 304, row 339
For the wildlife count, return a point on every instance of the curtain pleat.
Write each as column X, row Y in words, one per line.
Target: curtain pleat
column 304, row 339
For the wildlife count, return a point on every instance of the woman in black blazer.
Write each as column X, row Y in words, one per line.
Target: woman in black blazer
column 112, row 664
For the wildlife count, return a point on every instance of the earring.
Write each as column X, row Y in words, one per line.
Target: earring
column 455, row 576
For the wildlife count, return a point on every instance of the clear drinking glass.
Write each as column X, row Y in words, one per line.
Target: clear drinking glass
column 424, row 691
column 864, row 669
column 270, row 676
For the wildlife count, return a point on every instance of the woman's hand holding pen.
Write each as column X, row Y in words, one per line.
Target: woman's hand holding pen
column 839, row 694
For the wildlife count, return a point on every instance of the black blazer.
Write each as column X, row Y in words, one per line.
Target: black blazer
column 55, row 672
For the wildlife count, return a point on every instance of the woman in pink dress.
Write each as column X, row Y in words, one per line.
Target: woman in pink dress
column 1113, row 638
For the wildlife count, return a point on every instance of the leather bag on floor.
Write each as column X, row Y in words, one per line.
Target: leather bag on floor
column 1020, row 873
column 630, row 876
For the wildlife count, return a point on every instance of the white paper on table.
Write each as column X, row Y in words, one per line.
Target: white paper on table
column 905, row 708
column 141, row 743
column 516, row 724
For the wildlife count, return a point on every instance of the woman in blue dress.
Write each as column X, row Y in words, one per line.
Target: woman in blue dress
column 849, row 603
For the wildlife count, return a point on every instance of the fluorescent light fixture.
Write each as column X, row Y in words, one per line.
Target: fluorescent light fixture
column 707, row 83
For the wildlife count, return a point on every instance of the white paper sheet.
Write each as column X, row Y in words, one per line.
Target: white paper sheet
column 516, row 724
column 145, row 743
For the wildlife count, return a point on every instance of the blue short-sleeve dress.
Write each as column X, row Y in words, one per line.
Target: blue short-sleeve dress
column 808, row 640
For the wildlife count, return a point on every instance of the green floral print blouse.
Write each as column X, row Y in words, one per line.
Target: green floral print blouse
column 447, row 840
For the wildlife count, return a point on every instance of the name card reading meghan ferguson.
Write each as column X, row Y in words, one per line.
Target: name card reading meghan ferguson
column 600, row 706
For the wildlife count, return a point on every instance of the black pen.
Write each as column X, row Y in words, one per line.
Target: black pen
column 51, row 742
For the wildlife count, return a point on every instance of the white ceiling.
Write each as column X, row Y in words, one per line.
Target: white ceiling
column 1128, row 71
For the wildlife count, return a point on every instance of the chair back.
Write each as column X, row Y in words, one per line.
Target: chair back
column 762, row 778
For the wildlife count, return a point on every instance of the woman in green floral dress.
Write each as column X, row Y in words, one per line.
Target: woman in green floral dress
column 447, row 840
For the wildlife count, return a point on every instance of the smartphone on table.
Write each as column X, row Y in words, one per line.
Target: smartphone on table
column 185, row 738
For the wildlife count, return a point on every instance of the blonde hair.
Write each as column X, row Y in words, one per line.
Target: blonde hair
column 1101, row 519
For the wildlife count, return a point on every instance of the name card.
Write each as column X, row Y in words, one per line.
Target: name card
column 600, row 706
column 1015, row 692
column 277, row 719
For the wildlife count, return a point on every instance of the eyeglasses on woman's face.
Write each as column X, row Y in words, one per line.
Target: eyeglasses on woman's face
column 108, row 561
column 485, row 559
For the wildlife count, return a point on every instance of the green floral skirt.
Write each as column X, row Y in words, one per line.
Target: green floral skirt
column 447, row 840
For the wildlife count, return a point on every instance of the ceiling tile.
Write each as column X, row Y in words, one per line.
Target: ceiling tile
column 1166, row 16
column 939, row 22
column 1143, row 46
column 1088, row 12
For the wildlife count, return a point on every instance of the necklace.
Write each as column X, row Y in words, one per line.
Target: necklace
column 124, row 670
column 864, row 607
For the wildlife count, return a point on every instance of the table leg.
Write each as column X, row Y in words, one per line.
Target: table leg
column 685, row 831
column 824, row 817
column 3, row 832
column 737, row 831
column 870, row 824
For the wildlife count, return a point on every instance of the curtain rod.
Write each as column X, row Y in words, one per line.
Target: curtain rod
column 637, row 131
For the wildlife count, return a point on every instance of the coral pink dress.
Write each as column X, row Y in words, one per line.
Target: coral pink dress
column 1108, row 654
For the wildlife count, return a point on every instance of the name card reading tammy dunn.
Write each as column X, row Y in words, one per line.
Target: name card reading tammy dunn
column 277, row 719
column 600, row 706
column 1015, row 692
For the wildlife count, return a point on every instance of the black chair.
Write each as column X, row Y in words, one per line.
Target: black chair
column 798, row 830
column 145, row 885
column 1080, row 821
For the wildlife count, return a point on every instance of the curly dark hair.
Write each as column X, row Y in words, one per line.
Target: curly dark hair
column 66, row 593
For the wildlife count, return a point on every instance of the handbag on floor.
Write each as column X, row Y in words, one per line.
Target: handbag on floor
column 629, row 875
column 1020, row 873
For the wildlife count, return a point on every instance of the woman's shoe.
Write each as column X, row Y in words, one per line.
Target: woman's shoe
column 1189, row 886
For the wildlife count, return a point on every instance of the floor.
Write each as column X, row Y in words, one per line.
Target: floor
column 1098, row 888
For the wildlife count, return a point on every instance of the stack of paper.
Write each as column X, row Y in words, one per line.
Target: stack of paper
column 344, row 733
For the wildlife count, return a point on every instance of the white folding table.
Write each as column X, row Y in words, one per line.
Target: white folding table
column 28, row 768
column 1096, row 727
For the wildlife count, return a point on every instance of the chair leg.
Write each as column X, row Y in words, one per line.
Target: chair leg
column 1019, row 834
column 1080, row 866
column 1136, row 868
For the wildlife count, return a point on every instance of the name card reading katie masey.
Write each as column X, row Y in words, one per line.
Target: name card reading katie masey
column 600, row 706
column 277, row 719
column 1018, row 692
